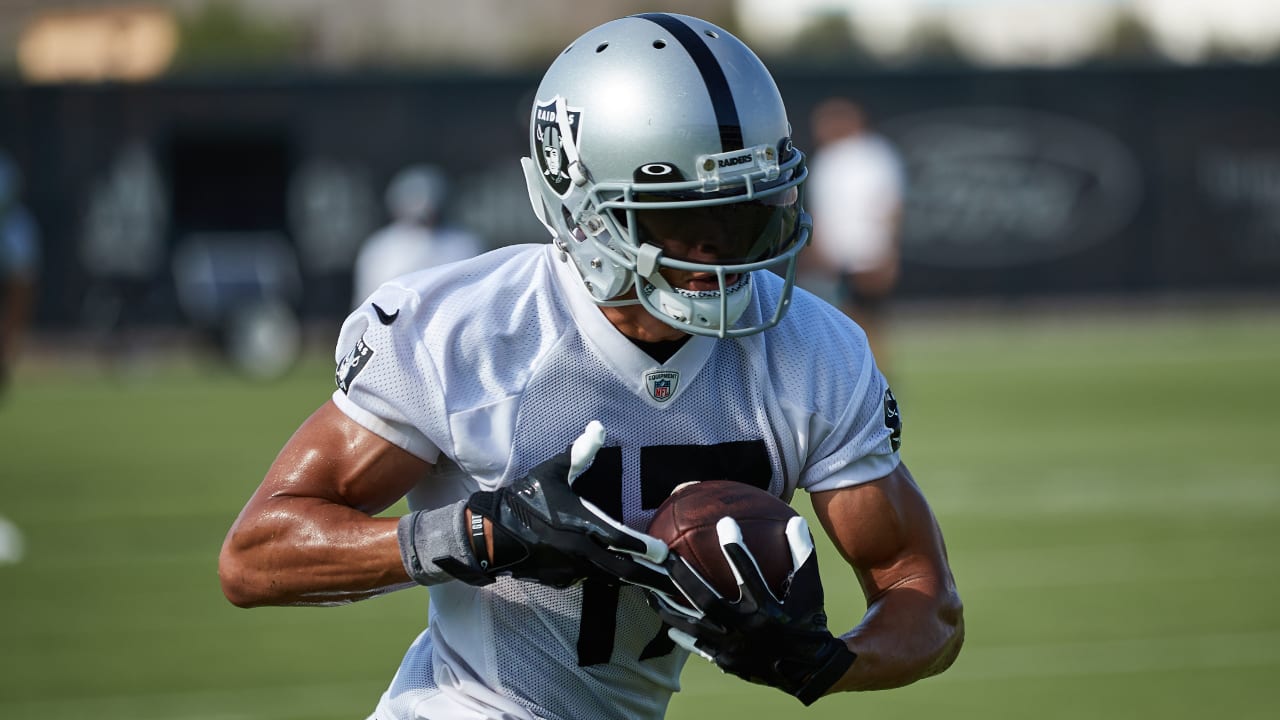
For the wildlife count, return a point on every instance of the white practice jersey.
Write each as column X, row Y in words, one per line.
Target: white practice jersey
column 490, row 366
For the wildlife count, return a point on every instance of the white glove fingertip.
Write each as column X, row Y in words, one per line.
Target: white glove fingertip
column 584, row 449
column 800, row 540
column 688, row 642
column 729, row 533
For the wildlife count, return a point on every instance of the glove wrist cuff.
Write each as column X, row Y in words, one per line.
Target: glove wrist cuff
column 824, row 677
column 433, row 546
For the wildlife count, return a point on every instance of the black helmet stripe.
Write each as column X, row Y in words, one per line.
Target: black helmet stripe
column 712, row 75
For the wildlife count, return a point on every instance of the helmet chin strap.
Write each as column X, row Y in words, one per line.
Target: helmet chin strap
column 694, row 311
column 698, row 315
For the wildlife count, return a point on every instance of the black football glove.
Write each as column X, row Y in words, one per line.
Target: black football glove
column 544, row 532
column 783, row 642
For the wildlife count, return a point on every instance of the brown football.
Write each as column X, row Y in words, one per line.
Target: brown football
column 686, row 522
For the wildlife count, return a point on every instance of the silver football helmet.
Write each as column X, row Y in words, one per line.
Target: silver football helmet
column 659, row 142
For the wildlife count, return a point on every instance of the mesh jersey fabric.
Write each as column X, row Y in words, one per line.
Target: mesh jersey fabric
column 490, row 366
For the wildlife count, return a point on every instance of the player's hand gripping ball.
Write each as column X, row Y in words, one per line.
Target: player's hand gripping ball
column 748, row 595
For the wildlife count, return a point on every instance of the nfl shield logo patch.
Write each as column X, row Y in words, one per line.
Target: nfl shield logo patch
column 661, row 384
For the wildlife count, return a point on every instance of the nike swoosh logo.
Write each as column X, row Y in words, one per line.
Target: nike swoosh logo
column 386, row 319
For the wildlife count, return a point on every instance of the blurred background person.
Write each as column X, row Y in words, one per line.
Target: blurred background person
column 416, row 238
column 19, row 260
column 855, row 193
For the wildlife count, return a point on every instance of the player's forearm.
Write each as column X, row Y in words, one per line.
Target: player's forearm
column 909, row 633
column 301, row 554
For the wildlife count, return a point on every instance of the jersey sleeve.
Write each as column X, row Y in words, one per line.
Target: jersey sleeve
column 862, row 443
column 385, row 380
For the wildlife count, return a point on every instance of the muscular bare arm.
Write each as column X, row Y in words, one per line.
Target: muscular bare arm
column 914, row 625
column 308, row 536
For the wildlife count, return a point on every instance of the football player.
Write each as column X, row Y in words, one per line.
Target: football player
column 537, row 403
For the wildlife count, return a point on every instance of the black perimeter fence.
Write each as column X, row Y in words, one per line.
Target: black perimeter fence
column 1023, row 184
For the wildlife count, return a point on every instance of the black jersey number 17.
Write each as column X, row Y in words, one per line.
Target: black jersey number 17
column 662, row 468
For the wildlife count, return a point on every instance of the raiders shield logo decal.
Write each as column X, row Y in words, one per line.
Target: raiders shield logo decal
column 547, row 132
column 352, row 364
column 661, row 384
column 892, row 419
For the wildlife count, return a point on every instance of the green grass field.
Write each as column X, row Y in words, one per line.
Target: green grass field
column 1109, row 488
